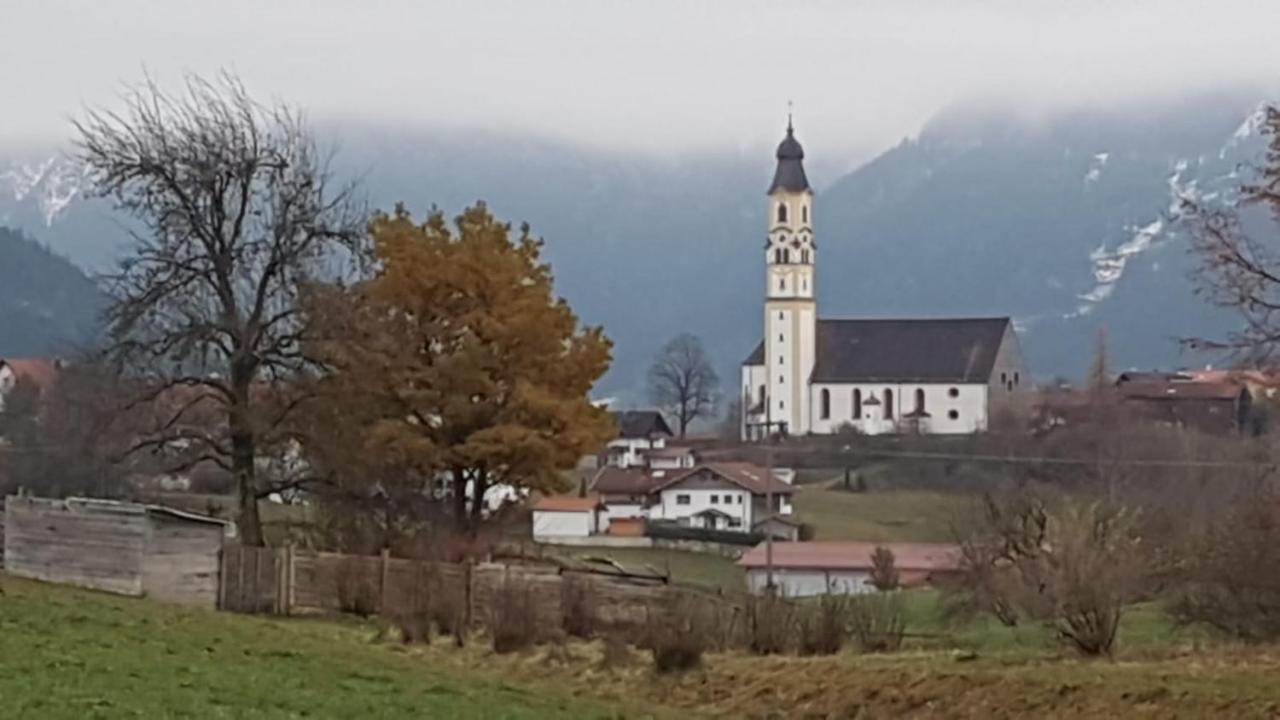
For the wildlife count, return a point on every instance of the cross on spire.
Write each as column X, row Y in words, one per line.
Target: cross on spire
column 788, row 117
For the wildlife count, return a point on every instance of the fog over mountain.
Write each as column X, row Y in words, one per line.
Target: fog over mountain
column 1065, row 222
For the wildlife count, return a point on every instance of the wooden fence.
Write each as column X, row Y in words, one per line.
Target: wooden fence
column 290, row 581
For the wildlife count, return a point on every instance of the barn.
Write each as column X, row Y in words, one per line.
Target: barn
column 802, row 569
column 120, row 547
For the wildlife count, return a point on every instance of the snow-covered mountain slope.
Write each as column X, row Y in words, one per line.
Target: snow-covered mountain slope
column 1065, row 223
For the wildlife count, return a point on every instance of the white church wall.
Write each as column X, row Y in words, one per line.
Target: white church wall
column 954, row 408
column 1011, row 384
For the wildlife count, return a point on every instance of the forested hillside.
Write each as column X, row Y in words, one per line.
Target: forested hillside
column 48, row 306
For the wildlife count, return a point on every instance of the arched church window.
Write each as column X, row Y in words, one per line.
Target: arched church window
column 782, row 283
column 786, row 256
column 888, row 404
column 762, row 394
column 782, row 212
column 857, row 404
column 804, row 213
column 919, row 401
column 826, row 403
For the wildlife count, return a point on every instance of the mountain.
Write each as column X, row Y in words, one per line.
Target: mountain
column 47, row 305
column 1066, row 222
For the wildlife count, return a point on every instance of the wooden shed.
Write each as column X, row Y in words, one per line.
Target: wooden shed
column 121, row 547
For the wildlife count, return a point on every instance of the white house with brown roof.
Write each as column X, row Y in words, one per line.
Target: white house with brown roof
column 802, row 569
column 719, row 496
column 813, row 375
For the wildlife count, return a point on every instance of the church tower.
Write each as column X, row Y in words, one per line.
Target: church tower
column 790, row 312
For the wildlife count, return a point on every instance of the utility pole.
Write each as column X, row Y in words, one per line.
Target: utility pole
column 768, row 513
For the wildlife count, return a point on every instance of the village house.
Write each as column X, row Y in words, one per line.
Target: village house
column 1209, row 401
column 804, row 569
column 1212, row 405
column 815, row 375
column 42, row 372
column 716, row 496
column 640, row 432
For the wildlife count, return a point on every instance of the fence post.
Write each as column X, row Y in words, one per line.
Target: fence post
column 240, row 572
column 223, row 577
column 281, row 560
column 468, row 592
column 382, row 582
column 288, row 579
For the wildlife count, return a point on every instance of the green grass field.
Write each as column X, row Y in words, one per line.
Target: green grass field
column 67, row 653
column 883, row 515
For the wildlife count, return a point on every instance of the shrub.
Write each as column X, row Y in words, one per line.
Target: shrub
column 884, row 572
column 1070, row 565
column 1231, row 581
column 678, row 639
column 823, row 625
column 771, row 623
column 877, row 621
column 513, row 616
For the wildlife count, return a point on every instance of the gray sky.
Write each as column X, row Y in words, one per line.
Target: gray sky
column 651, row 75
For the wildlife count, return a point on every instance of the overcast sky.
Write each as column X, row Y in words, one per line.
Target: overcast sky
column 664, row 76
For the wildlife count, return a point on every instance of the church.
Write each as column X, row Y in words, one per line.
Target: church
column 816, row 375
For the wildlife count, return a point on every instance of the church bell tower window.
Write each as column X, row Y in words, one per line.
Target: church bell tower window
column 782, row 212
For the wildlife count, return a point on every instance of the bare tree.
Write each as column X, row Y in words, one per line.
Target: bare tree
column 1072, row 565
column 238, row 212
column 1235, row 269
column 683, row 382
column 884, row 571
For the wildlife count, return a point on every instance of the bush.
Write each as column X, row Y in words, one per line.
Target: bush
column 771, row 623
column 884, row 572
column 1072, row 566
column 823, row 625
column 1231, row 582
column 678, row 640
column 877, row 621
column 513, row 616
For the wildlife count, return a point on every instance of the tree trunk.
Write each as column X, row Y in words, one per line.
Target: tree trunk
column 459, row 498
column 242, row 452
column 477, row 500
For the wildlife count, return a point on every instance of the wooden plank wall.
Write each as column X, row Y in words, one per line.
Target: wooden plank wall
column 180, row 563
column 92, row 545
column 285, row 580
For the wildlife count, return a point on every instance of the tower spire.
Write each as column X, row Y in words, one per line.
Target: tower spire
column 789, row 131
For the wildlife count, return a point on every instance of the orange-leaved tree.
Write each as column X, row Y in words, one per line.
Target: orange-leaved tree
column 463, row 364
